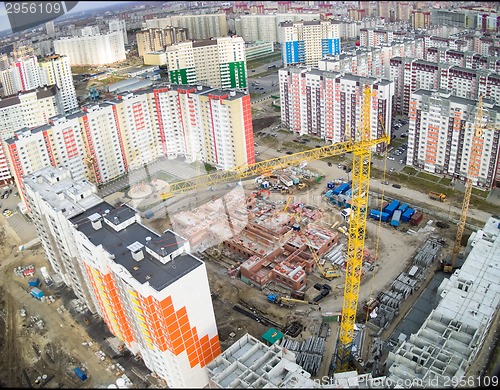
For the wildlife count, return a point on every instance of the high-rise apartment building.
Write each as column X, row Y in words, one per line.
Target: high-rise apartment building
column 149, row 290
column 365, row 6
column 265, row 27
column 420, row 19
column 328, row 104
column 410, row 75
column 197, row 123
column 218, row 62
column 308, row 42
column 121, row 26
column 56, row 70
column 374, row 37
column 28, row 73
column 54, row 197
column 97, row 49
column 440, row 134
column 23, row 75
column 198, row 26
column 25, row 110
column 49, row 27
column 157, row 39
column 385, row 9
column 403, row 11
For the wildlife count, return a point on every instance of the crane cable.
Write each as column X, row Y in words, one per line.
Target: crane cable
column 379, row 226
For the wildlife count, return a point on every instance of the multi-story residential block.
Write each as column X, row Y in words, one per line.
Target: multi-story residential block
column 22, row 75
column 214, row 126
column 157, row 39
column 308, row 42
column 56, row 70
column 265, row 27
column 403, row 11
column 219, row 63
column 410, row 75
column 257, row 50
column 440, row 134
column 365, row 7
column 53, row 197
column 4, row 61
column 25, row 110
column 375, row 37
column 357, row 14
column 105, row 141
column 96, row 49
column 121, row 26
column 420, row 19
column 328, row 104
column 385, row 9
column 198, row 26
column 149, row 290
column 22, row 49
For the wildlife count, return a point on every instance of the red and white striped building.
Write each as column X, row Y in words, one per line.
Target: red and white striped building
column 328, row 104
column 197, row 123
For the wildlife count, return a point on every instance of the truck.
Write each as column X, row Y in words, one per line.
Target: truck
column 392, row 207
column 295, row 179
column 80, row 374
column 376, row 214
column 407, row 214
column 46, row 277
column 34, row 282
column 341, row 189
column 416, row 218
column 346, row 213
column 437, row 196
column 395, row 218
column 37, row 293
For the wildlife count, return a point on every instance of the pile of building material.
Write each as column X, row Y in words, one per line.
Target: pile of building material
column 309, row 352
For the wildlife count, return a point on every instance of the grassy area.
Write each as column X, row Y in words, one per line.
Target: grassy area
column 266, row 73
column 111, row 80
column 81, row 69
column 446, row 181
column 284, row 131
column 428, row 176
column 410, row 171
column 296, row 146
column 269, row 141
column 480, row 193
column 264, row 60
column 209, row 168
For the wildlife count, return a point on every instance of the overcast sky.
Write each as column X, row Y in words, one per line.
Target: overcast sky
column 81, row 6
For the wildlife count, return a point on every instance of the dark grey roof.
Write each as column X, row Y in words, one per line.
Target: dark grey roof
column 206, row 42
column 166, row 244
column 149, row 269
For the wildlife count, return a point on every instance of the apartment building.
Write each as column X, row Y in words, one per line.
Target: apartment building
column 218, row 129
column 56, row 70
column 21, row 76
column 307, row 98
column 95, row 49
column 157, row 39
column 121, row 26
column 150, row 291
column 410, row 75
column 420, row 19
column 308, row 42
column 403, row 11
column 53, row 197
column 373, row 37
column 104, row 141
column 464, row 59
column 218, row 62
column 25, row 110
column 440, row 134
column 198, row 27
column 265, row 27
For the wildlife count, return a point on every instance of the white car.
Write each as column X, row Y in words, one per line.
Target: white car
column 401, row 161
column 390, row 158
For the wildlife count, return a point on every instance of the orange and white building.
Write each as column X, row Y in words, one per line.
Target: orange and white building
column 440, row 132
column 151, row 292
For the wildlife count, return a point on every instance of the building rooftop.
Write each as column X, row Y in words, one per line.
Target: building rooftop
column 118, row 241
column 61, row 192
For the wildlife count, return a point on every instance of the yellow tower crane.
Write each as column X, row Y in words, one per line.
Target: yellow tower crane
column 361, row 148
column 472, row 174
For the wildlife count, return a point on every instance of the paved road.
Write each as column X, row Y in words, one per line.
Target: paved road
column 21, row 225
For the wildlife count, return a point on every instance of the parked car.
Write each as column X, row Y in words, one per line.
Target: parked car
column 396, row 186
column 391, row 158
column 401, row 161
column 386, row 183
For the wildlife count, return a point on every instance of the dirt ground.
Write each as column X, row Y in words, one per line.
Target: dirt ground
column 29, row 352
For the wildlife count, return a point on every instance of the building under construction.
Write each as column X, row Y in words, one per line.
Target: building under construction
column 454, row 333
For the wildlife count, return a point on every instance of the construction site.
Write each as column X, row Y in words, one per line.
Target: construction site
column 312, row 276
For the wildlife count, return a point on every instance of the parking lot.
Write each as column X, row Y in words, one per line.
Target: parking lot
column 24, row 229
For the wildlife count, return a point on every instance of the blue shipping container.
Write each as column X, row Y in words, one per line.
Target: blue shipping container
column 329, row 193
column 395, row 218
column 376, row 214
column 34, row 282
column 341, row 189
column 80, row 374
column 407, row 214
column 392, row 207
column 403, row 207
